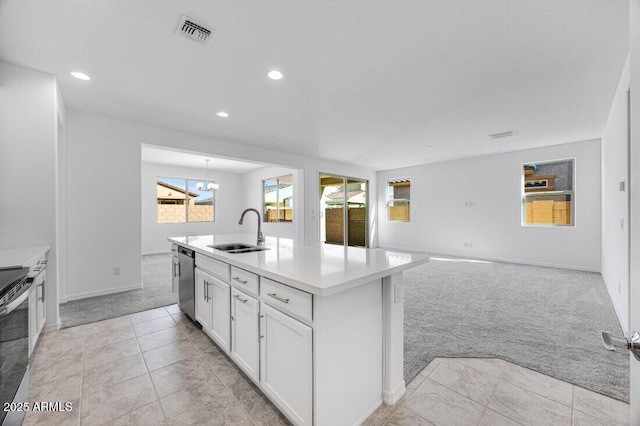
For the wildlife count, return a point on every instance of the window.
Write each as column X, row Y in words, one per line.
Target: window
column 398, row 199
column 547, row 193
column 184, row 200
column 277, row 197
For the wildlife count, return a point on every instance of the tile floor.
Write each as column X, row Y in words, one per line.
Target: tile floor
column 149, row 368
column 490, row 391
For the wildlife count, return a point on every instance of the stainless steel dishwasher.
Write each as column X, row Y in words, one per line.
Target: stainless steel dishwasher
column 187, row 285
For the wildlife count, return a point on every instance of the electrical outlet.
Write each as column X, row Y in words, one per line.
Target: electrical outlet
column 397, row 293
column 116, row 270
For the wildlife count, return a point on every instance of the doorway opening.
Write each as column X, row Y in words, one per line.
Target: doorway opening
column 344, row 210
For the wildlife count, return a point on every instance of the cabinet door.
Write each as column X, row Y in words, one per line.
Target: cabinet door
column 40, row 302
column 245, row 345
column 286, row 364
column 175, row 277
column 220, row 312
column 203, row 308
column 33, row 322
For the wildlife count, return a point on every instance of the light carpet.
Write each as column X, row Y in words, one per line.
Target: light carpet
column 545, row 319
column 156, row 292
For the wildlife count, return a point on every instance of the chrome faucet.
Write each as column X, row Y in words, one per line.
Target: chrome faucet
column 260, row 236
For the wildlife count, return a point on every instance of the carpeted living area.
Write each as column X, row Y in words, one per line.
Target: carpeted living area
column 156, row 277
column 545, row 319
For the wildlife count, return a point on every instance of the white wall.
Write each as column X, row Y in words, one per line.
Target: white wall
column 28, row 146
column 440, row 222
column 252, row 197
column 103, row 207
column 615, row 203
column 634, row 54
column 104, row 193
column 228, row 206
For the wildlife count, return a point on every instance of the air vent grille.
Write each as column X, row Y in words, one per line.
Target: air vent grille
column 194, row 31
column 502, row 135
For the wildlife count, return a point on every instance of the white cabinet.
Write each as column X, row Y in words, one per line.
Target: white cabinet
column 175, row 277
column 203, row 305
column 245, row 344
column 33, row 322
column 220, row 294
column 41, row 314
column 286, row 364
column 37, row 306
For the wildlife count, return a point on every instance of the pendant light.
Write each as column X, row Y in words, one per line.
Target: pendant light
column 206, row 185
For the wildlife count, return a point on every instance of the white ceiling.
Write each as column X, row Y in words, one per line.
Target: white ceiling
column 156, row 155
column 377, row 83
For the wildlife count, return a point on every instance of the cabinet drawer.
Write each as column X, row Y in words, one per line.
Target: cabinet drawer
column 287, row 299
column 214, row 267
column 245, row 280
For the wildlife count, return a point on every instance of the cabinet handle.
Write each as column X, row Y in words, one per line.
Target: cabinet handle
column 239, row 280
column 41, row 285
column 206, row 290
column 237, row 296
column 275, row 296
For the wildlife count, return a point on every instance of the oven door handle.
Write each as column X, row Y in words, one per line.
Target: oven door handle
column 16, row 302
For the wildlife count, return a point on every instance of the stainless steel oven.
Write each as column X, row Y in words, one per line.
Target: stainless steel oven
column 14, row 344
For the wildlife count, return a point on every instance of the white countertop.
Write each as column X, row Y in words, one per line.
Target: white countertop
column 320, row 269
column 20, row 257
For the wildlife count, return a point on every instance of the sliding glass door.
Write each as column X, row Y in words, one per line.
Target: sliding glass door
column 344, row 210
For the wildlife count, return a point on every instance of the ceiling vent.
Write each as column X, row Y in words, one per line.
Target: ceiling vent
column 502, row 135
column 194, row 30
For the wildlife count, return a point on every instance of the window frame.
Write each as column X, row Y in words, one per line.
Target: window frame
column 571, row 193
column 277, row 180
column 391, row 200
column 186, row 201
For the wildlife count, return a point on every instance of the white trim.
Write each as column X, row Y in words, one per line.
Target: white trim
column 366, row 416
column 393, row 396
column 623, row 324
column 157, row 252
column 495, row 259
column 79, row 296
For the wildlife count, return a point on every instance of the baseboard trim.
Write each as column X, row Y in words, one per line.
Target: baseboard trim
column 497, row 259
column 393, row 396
column 623, row 325
column 88, row 294
column 369, row 413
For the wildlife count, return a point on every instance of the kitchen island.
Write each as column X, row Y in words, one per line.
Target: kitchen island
column 318, row 328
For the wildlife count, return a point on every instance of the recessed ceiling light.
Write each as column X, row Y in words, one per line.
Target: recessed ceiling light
column 80, row 75
column 222, row 114
column 274, row 75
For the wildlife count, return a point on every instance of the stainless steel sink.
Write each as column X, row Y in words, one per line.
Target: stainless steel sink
column 237, row 248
